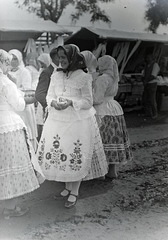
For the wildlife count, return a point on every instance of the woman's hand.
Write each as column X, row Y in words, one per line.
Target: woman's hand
column 55, row 105
column 29, row 97
column 65, row 104
column 61, row 105
column 29, row 100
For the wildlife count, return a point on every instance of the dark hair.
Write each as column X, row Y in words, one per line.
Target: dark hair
column 53, row 53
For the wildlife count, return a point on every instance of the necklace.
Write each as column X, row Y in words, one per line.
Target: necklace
column 66, row 76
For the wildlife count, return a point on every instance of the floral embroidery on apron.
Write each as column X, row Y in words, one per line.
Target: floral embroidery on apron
column 75, row 161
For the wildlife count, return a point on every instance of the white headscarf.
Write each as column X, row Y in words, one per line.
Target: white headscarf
column 90, row 60
column 108, row 65
column 45, row 58
column 5, row 60
column 18, row 55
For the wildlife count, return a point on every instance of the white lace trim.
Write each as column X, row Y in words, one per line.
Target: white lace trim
column 11, row 127
column 10, row 121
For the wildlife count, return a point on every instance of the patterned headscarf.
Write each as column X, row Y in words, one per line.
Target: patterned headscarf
column 45, row 58
column 5, row 60
column 18, row 55
column 90, row 60
column 75, row 58
column 108, row 65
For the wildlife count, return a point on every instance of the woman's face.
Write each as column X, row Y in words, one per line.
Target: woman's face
column 63, row 59
column 14, row 62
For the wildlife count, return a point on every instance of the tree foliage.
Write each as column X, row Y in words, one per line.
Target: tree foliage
column 156, row 14
column 53, row 9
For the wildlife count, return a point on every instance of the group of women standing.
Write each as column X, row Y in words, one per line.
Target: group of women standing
column 84, row 135
column 71, row 146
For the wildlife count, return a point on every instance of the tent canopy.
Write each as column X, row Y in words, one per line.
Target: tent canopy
column 15, row 33
column 89, row 33
column 88, row 38
column 24, row 29
column 128, row 48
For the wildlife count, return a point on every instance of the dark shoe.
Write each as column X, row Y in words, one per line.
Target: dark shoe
column 70, row 204
column 110, row 178
column 16, row 212
column 61, row 197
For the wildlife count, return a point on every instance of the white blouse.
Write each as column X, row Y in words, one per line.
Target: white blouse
column 76, row 87
column 11, row 100
column 105, row 89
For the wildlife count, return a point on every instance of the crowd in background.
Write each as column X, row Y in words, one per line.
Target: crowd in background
column 72, row 127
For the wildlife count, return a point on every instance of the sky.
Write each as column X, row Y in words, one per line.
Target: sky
column 126, row 15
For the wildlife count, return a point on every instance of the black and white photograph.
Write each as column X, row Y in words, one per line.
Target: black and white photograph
column 83, row 119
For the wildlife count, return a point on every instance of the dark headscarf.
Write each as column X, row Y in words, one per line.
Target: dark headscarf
column 53, row 53
column 75, row 58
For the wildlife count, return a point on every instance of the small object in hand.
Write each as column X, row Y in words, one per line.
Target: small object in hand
column 61, row 100
column 29, row 96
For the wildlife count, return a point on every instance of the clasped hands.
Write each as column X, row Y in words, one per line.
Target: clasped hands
column 61, row 105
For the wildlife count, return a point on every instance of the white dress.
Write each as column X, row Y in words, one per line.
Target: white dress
column 17, row 157
column 70, row 148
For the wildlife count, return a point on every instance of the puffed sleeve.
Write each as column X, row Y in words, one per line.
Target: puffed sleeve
column 100, row 87
column 14, row 96
column 51, row 91
column 86, row 101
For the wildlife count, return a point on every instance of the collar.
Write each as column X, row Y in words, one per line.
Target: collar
column 54, row 66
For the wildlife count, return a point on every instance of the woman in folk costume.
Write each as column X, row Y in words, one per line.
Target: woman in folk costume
column 91, row 64
column 17, row 176
column 22, row 78
column 110, row 115
column 90, row 60
column 67, row 151
column 44, row 62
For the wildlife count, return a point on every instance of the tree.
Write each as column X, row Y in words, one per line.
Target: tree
column 53, row 9
column 156, row 14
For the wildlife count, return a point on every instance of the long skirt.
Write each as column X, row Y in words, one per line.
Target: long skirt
column 115, row 139
column 17, row 176
column 71, row 151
